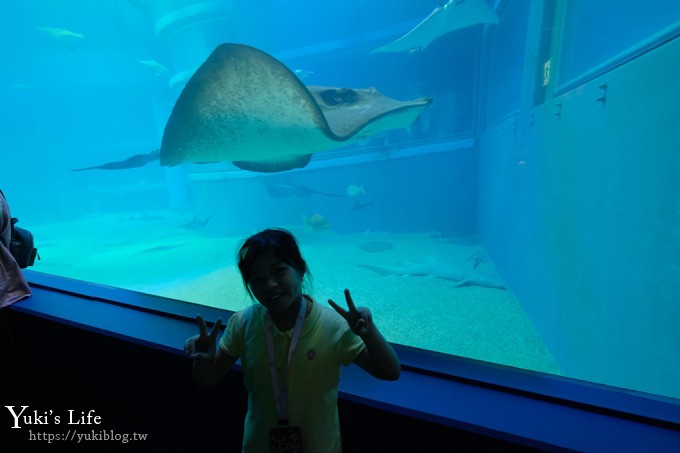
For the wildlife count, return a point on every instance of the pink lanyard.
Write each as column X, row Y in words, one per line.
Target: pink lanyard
column 281, row 390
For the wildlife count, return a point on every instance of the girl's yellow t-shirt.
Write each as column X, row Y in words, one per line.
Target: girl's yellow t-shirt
column 326, row 342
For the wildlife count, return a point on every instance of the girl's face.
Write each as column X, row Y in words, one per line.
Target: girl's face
column 275, row 283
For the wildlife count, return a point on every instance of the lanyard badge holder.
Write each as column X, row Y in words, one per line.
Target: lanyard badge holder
column 284, row 438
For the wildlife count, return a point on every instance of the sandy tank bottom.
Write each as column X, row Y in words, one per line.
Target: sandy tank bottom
column 152, row 253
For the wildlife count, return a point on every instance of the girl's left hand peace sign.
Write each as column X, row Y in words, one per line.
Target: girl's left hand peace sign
column 359, row 319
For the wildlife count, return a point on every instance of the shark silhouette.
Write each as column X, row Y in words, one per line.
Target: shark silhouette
column 439, row 269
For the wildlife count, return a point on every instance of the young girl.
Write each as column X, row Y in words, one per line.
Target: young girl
column 291, row 349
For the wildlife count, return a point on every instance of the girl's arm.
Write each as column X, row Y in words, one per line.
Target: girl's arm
column 378, row 358
column 208, row 371
column 211, row 364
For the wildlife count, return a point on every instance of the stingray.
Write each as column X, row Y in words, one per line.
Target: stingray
column 244, row 106
column 438, row 269
column 456, row 14
column 284, row 187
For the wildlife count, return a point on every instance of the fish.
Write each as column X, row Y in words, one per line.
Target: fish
column 315, row 222
column 441, row 270
column 61, row 33
column 454, row 15
column 155, row 67
column 244, row 106
column 195, row 223
column 138, row 160
column 284, row 187
column 353, row 190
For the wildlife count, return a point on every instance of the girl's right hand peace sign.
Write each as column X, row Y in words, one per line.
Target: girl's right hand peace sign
column 203, row 345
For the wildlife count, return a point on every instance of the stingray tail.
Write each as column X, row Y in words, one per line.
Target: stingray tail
column 138, row 160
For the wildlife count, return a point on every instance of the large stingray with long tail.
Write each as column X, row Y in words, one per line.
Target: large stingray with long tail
column 244, row 106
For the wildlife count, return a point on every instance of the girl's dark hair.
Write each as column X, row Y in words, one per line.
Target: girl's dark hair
column 275, row 240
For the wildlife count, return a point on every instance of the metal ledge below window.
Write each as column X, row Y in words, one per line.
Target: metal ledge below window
column 527, row 408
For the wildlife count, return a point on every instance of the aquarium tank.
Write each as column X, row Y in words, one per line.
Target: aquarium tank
column 495, row 179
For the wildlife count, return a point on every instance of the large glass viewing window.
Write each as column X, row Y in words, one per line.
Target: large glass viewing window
column 597, row 34
column 543, row 237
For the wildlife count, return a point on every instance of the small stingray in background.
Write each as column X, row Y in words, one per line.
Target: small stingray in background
column 285, row 186
column 162, row 248
column 375, row 246
column 455, row 15
column 196, row 224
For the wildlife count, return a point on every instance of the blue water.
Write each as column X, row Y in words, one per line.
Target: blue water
column 84, row 101
column 516, row 160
